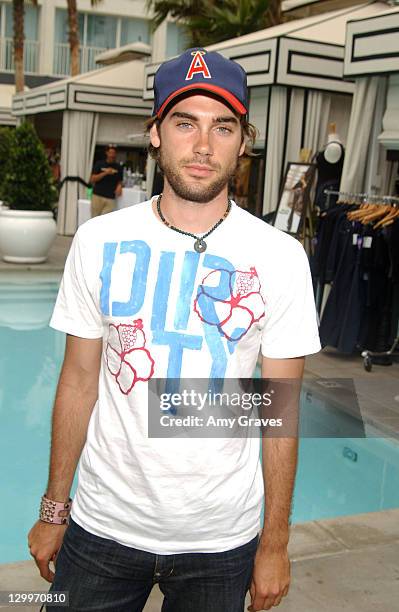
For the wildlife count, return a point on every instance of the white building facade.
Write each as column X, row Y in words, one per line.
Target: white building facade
column 106, row 25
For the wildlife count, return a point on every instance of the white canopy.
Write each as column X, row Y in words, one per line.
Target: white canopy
column 112, row 89
column 132, row 51
column 326, row 28
column 372, row 44
column 372, row 60
column 290, row 5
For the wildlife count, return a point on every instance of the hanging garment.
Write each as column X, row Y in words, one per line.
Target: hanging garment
column 376, row 263
column 340, row 324
column 329, row 326
column 326, row 231
column 362, row 264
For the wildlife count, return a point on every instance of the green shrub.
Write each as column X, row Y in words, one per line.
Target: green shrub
column 5, row 146
column 28, row 182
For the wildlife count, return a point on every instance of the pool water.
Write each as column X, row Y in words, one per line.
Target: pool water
column 336, row 476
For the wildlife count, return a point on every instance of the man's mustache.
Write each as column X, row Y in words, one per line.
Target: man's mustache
column 200, row 160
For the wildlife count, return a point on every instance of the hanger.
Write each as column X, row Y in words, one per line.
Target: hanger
column 389, row 218
column 379, row 210
column 365, row 207
column 359, row 212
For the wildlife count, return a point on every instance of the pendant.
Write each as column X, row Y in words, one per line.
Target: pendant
column 200, row 245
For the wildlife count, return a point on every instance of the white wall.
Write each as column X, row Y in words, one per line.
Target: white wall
column 258, row 107
column 46, row 36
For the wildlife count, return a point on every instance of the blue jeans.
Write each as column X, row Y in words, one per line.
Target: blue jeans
column 101, row 574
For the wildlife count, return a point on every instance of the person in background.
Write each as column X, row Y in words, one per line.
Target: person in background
column 53, row 157
column 107, row 183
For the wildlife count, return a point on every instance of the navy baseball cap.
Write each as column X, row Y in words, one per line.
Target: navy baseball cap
column 196, row 70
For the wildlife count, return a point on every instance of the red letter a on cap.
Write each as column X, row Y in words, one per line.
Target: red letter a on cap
column 198, row 66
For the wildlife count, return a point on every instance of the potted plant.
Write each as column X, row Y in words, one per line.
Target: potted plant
column 5, row 145
column 27, row 225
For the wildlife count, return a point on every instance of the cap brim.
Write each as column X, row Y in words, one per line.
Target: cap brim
column 225, row 95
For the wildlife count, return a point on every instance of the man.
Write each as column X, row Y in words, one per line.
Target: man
column 185, row 285
column 107, row 181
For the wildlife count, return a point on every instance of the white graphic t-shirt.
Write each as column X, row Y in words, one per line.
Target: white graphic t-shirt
column 164, row 310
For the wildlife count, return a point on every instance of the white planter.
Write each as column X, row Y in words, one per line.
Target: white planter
column 26, row 235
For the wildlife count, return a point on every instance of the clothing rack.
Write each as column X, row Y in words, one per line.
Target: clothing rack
column 392, row 353
column 375, row 199
column 363, row 197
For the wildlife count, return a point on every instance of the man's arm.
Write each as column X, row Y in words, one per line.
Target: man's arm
column 76, row 396
column 271, row 575
column 118, row 190
column 98, row 176
column 119, row 186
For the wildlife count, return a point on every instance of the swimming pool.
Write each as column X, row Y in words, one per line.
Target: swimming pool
column 336, row 476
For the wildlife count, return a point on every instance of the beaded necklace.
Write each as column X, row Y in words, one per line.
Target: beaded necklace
column 199, row 244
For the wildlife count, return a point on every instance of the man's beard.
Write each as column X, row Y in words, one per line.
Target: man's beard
column 195, row 192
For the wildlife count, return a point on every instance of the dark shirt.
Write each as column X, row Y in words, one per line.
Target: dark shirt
column 328, row 171
column 328, row 177
column 107, row 185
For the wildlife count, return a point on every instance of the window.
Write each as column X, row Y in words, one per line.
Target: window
column 31, row 44
column 94, row 30
column 135, row 30
column 101, row 31
column 31, row 22
column 176, row 39
column 96, row 33
column 61, row 26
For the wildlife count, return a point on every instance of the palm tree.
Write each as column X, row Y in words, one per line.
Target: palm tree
column 181, row 10
column 18, row 11
column 73, row 34
column 208, row 21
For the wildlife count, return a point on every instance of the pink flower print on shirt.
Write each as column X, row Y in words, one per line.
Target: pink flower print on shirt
column 127, row 358
column 236, row 314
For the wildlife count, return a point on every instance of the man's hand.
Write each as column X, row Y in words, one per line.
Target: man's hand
column 270, row 579
column 118, row 190
column 271, row 575
column 96, row 178
column 45, row 541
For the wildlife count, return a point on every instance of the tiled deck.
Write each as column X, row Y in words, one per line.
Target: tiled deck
column 54, row 263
